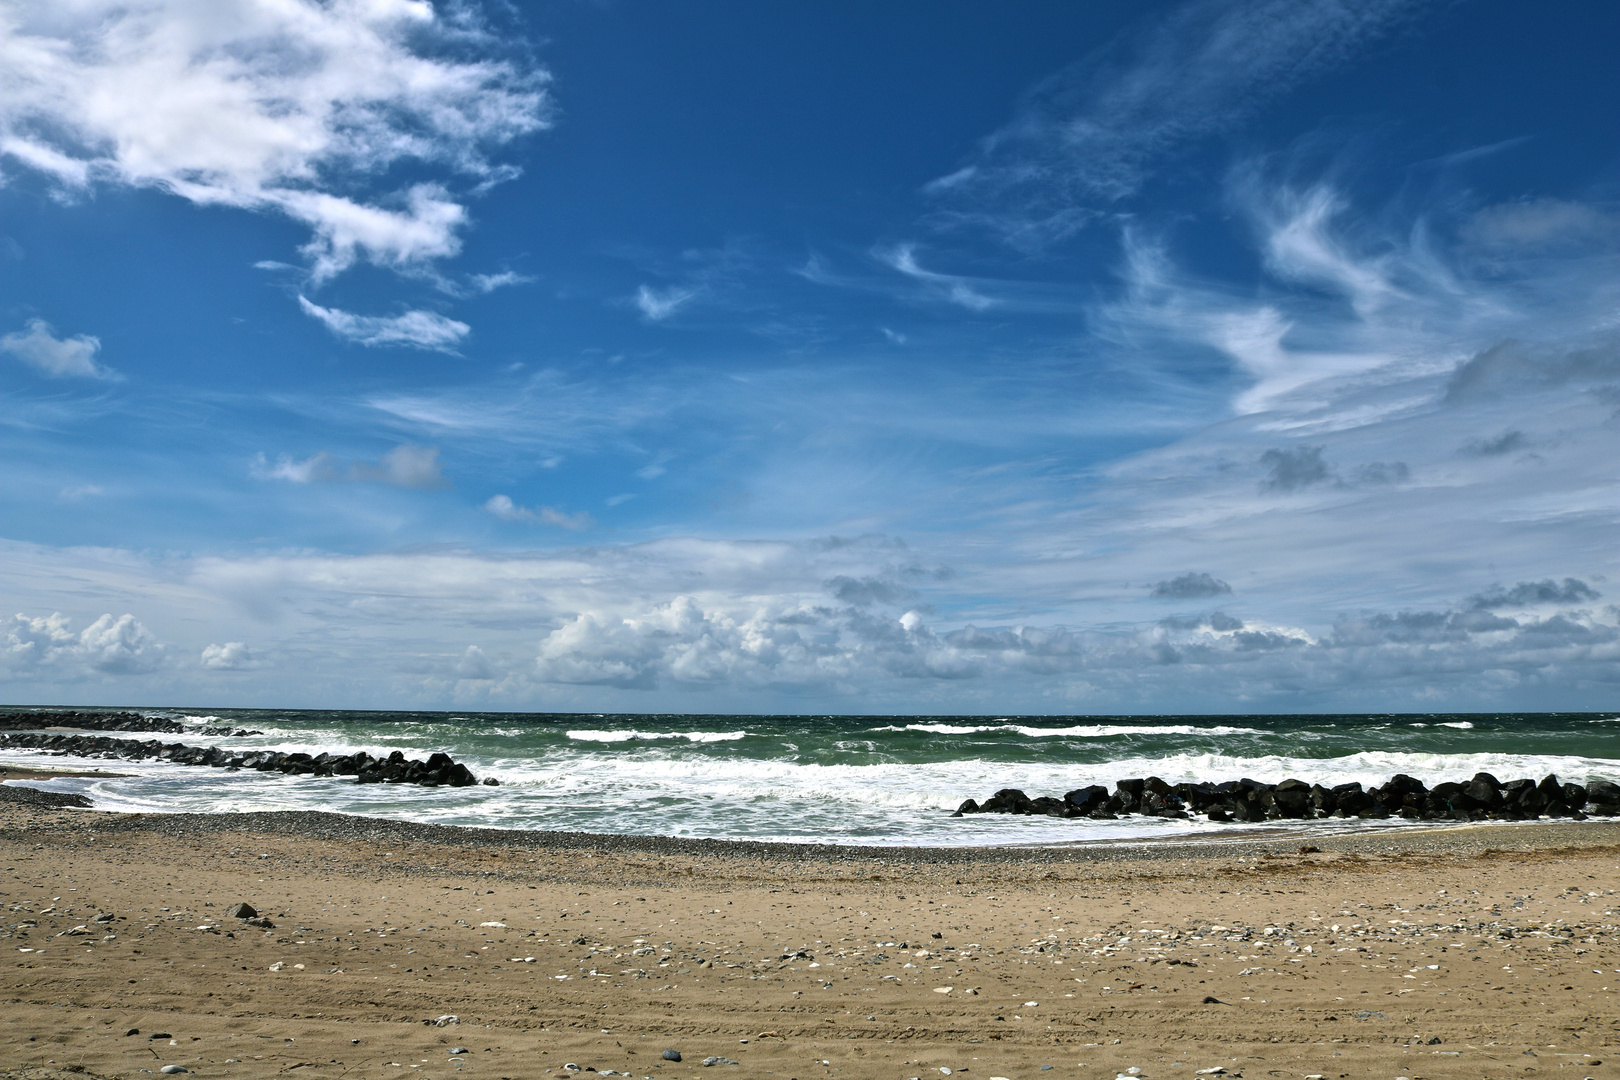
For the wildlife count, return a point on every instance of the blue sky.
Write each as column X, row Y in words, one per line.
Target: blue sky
column 1210, row 356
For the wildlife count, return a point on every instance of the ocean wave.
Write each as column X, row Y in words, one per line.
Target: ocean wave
column 628, row 735
column 597, row 788
column 1080, row 731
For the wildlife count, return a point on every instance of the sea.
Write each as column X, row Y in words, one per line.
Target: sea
column 872, row 780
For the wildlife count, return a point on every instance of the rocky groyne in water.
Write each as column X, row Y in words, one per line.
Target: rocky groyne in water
column 439, row 770
column 121, row 721
column 1481, row 799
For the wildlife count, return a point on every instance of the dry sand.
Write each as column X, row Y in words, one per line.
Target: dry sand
column 1440, row 952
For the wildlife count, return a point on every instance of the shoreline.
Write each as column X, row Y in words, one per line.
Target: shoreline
column 1470, row 837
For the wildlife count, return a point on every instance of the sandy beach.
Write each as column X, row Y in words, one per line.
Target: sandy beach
column 1435, row 952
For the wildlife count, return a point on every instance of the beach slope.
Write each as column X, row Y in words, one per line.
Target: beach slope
column 398, row 949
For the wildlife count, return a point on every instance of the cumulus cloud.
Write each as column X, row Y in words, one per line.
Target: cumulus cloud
column 1505, row 443
column 474, row 665
column 1516, row 365
column 66, row 357
column 681, row 642
column 285, row 107
column 1539, row 224
column 504, row 508
column 1383, row 472
column 1294, row 468
column 691, row 643
column 1191, row 586
column 868, row 590
column 1534, row 594
column 414, row 329
column 113, row 646
column 404, row 466
column 751, row 627
column 231, row 656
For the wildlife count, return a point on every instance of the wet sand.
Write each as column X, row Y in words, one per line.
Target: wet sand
column 1434, row 952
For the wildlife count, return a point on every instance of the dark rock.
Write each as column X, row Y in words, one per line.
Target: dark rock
column 1603, row 791
column 672, row 1055
column 365, row 770
column 490, row 781
column 1292, row 798
column 1006, row 801
column 243, row 911
column 1087, row 800
column 1485, row 790
column 967, row 807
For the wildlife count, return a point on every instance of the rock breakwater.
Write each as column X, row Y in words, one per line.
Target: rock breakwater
column 121, row 721
column 439, row 770
column 1482, row 798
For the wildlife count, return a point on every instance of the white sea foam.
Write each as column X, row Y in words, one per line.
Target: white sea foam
column 1080, row 731
column 629, row 780
column 628, row 735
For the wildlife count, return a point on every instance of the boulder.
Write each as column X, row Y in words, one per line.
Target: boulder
column 1006, row 801
column 1292, row 798
column 1087, row 800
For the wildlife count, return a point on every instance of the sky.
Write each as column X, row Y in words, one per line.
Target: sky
column 951, row 357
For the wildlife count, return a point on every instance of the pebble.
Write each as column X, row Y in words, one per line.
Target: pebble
column 716, row 1059
column 672, row 1055
column 458, row 1049
column 171, row 1069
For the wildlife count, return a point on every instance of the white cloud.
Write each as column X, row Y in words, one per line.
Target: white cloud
column 403, row 466
column 231, row 656
column 279, row 106
column 414, row 329
column 1090, row 135
column 474, row 665
column 659, row 304
column 687, row 623
column 80, row 492
column 47, row 643
column 504, row 508
column 1539, row 224
column 1353, row 300
column 956, row 290
column 68, row 357
column 488, row 283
